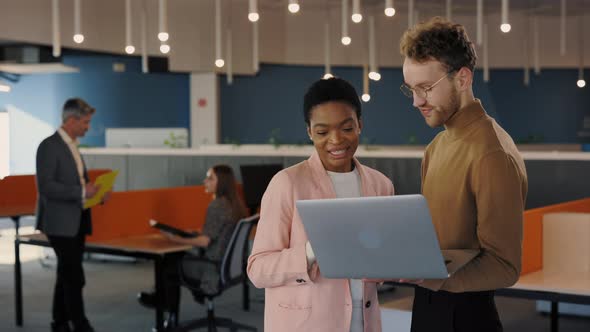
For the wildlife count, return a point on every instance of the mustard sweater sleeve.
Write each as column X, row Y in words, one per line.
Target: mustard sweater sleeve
column 499, row 190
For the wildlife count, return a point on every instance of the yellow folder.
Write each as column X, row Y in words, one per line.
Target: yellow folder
column 106, row 182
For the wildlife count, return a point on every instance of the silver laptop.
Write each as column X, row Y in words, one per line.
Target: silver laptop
column 384, row 237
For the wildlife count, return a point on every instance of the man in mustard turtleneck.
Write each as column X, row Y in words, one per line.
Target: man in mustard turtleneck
column 472, row 176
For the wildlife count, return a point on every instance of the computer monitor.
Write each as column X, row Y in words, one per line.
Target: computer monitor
column 255, row 179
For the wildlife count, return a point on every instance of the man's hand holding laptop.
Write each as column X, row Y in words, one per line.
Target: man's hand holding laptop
column 401, row 281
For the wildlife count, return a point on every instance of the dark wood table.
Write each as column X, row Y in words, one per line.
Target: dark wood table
column 15, row 212
column 155, row 247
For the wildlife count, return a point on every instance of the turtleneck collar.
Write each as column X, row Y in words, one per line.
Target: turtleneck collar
column 460, row 122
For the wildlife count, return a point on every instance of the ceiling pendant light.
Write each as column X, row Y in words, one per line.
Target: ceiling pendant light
column 505, row 26
column 55, row 28
column 581, row 81
column 356, row 17
column 253, row 15
column 345, row 37
column 293, row 6
column 164, row 48
column 162, row 21
column 327, row 67
column 219, row 62
column 78, row 36
column 389, row 9
column 129, row 48
column 144, row 56
column 228, row 50
column 373, row 72
column 366, row 96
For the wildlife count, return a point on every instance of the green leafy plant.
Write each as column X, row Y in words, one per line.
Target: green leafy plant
column 235, row 142
column 175, row 141
column 412, row 139
column 275, row 137
column 368, row 143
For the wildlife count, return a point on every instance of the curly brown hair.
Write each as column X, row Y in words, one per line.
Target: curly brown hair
column 440, row 40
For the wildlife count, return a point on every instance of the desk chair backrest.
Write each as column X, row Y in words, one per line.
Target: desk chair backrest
column 255, row 179
column 233, row 264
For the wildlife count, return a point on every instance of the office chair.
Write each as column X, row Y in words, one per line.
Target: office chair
column 232, row 272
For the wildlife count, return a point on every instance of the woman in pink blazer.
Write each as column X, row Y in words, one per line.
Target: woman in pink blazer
column 297, row 297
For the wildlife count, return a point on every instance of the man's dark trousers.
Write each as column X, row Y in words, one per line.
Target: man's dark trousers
column 454, row 312
column 68, row 304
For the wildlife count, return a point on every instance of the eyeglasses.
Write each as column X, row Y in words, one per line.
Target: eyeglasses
column 420, row 92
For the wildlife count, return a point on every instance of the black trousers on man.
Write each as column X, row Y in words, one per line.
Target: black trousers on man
column 454, row 312
column 68, row 304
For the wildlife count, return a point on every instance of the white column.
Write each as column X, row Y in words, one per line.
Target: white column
column 4, row 144
column 205, row 118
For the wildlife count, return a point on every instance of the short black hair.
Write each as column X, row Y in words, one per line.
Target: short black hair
column 332, row 89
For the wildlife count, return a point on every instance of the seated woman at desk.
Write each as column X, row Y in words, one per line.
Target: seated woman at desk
column 297, row 297
column 222, row 215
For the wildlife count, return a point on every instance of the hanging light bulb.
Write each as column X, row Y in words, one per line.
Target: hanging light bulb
column 373, row 73
column 55, row 28
column 129, row 48
column 78, row 36
column 293, row 6
column 345, row 37
column 389, row 9
column 327, row 67
column 505, row 27
column 366, row 96
column 253, row 11
column 143, row 39
column 163, row 21
column 581, row 82
column 255, row 60
column 228, row 49
column 219, row 62
column 375, row 76
column 357, row 17
column 165, row 48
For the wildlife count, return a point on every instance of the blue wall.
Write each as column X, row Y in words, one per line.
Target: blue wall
column 550, row 110
column 128, row 99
